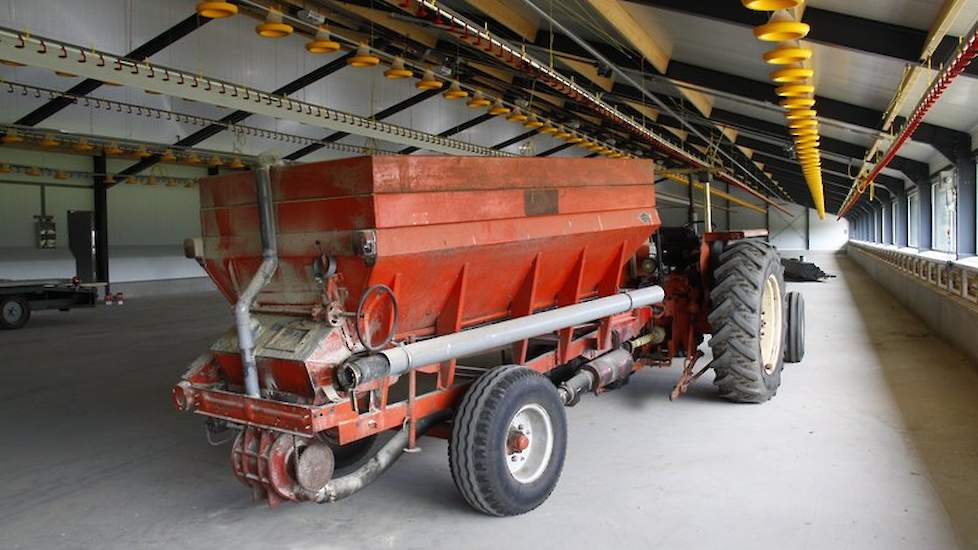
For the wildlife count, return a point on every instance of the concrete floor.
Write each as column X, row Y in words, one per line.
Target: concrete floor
column 871, row 443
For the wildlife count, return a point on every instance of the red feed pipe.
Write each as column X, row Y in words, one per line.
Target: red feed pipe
column 967, row 52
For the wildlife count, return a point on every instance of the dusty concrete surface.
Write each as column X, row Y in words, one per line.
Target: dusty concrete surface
column 871, row 443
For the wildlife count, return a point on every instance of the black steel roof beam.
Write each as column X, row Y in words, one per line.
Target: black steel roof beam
column 936, row 136
column 380, row 115
column 829, row 28
column 515, row 139
column 455, row 130
column 913, row 169
column 87, row 86
column 556, row 149
column 238, row 116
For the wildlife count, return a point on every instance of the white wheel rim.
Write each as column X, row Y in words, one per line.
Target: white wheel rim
column 528, row 464
column 771, row 324
column 12, row 311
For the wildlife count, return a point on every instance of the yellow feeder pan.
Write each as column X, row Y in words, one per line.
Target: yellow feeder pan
column 130, row 181
column 574, row 139
column 273, row 27
column 807, row 145
column 216, row 161
column 216, row 10
column 796, row 114
column 168, row 156
column 787, row 55
column 397, row 70
column 33, row 171
column 11, row 63
column 517, row 116
column 548, row 128
column 533, row 123
column 803, row 132
column 363, row 58
column 585, row 144
column 770, row 5
column 781, row 28
column 64, row 74
column 12, row 137
column 109, row 178
column 5, row 169
column 812, row 140
column 798, row 103
column 795, row 90
column 322, row 43
column 236, row 164
column 498, row 108
column 193, row 158
column 143, row 153
column 49, row 141
column 455, row 91
column 562, row 134
column 60, row 175
column 803, row 123
column 150, row 181
column 478, row 101
column 791, row 75
column 428, row 81
column 83, row 146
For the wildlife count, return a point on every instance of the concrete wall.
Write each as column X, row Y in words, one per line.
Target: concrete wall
column 949, row 316
column 147, row 224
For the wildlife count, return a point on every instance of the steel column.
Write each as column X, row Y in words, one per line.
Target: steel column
column 100, row 168
column 965, row 221
column 925, row 229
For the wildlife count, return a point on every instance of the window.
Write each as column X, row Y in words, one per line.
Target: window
column 913, row 218
column 944, row 197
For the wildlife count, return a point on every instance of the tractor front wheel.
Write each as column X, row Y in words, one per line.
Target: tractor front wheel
column 748, row 321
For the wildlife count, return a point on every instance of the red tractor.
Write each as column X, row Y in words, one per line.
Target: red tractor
column 463, row 298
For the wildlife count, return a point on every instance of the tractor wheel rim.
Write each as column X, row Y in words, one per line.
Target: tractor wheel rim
column 12, row 312
column 771, row 323
column 528, row 464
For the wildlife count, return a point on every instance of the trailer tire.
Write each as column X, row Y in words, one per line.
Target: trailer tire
column 748, row 320
column 794, row 347
column 508, row 408
column 15, row 311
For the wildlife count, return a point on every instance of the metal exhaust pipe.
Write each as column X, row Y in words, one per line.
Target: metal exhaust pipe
column 269, row 253
column 345, row 486
column 400, row 359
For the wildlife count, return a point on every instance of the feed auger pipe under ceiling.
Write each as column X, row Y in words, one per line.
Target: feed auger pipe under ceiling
column 966, row 52
column 638, row 86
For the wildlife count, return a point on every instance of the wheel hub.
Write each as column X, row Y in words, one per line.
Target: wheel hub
column 12, row 311
column 771, row 324
column 529, row 443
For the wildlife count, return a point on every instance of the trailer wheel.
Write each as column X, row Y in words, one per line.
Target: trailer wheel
column 794, row 347
column 748, row 322
column 508, row 442
column 15, row 311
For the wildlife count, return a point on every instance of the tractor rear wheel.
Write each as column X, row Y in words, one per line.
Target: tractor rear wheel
column 508, row 441
column 748, row 321
column 794, row 346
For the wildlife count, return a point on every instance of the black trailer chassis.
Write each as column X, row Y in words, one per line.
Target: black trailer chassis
column 19, row 298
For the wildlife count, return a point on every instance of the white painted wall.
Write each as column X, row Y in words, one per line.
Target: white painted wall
column 790, row 232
